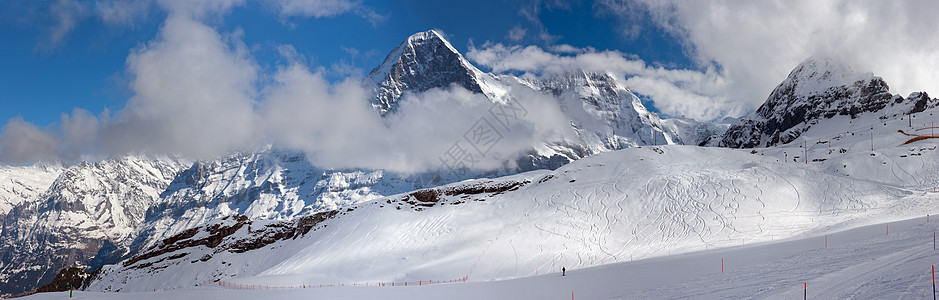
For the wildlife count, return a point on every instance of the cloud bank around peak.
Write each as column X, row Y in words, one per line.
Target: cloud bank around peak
column 755, row 44
column 199, row 93
column 675, row 92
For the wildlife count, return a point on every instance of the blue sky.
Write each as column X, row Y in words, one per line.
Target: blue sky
column 41, row 79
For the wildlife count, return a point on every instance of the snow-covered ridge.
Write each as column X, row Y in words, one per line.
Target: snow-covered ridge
column 25, row 183
column 88, row 212
column 605, row 115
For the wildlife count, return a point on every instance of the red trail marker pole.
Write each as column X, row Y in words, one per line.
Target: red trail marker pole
column 805, row 291
column 933, row 282
column 722, row 265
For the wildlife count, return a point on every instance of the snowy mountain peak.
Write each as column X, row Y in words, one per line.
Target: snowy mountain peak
column 818, row 88
column 818, row 74
column 426, row 60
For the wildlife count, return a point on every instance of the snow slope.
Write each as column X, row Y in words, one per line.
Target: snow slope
column 619, row 206
column 866, row 262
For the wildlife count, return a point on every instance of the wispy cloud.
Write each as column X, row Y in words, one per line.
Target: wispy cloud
column 326, row 8
column 517, row 33
column 122, row 12
column 695, row 94
column 531, row 11
column 66, row 15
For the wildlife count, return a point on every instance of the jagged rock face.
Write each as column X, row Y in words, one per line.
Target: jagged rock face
column 693, row 132
column 89, row 205
column 232, row 234
column 67, row 279
column 422, row 62
column 25, row 183
column 264, row 185
column 605, row 115
column 920, row 102
column 816, row 89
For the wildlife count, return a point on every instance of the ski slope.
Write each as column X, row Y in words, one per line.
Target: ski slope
column 653, row 208
column 615, row 207
column 865, row 262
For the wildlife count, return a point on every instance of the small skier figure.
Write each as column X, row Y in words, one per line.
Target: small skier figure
column 563, row 271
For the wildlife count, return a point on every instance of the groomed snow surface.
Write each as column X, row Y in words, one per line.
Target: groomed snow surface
column 640, row 223
column 864, row 263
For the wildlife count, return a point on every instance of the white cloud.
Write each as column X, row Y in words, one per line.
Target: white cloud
column 694, row 94
column 198, row 93
column 198, row 9
column 66, row 14
column 22, row 142
column 315, row 8
column 122, row 12
column 193, row 94
column 335, row 125
column 568, row 49
column 755, row 44
column 326, row 8
column 531, row 10
column 517, row 33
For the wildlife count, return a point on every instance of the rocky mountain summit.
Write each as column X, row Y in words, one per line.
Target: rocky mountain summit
column 818, row 88
column 424, row 61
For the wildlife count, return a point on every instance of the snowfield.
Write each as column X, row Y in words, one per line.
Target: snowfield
column 864, row 262
column 645, row 222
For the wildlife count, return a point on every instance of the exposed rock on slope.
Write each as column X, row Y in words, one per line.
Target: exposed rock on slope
column 89, row 207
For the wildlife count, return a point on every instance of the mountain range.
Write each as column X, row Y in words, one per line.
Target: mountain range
column 136, row 216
